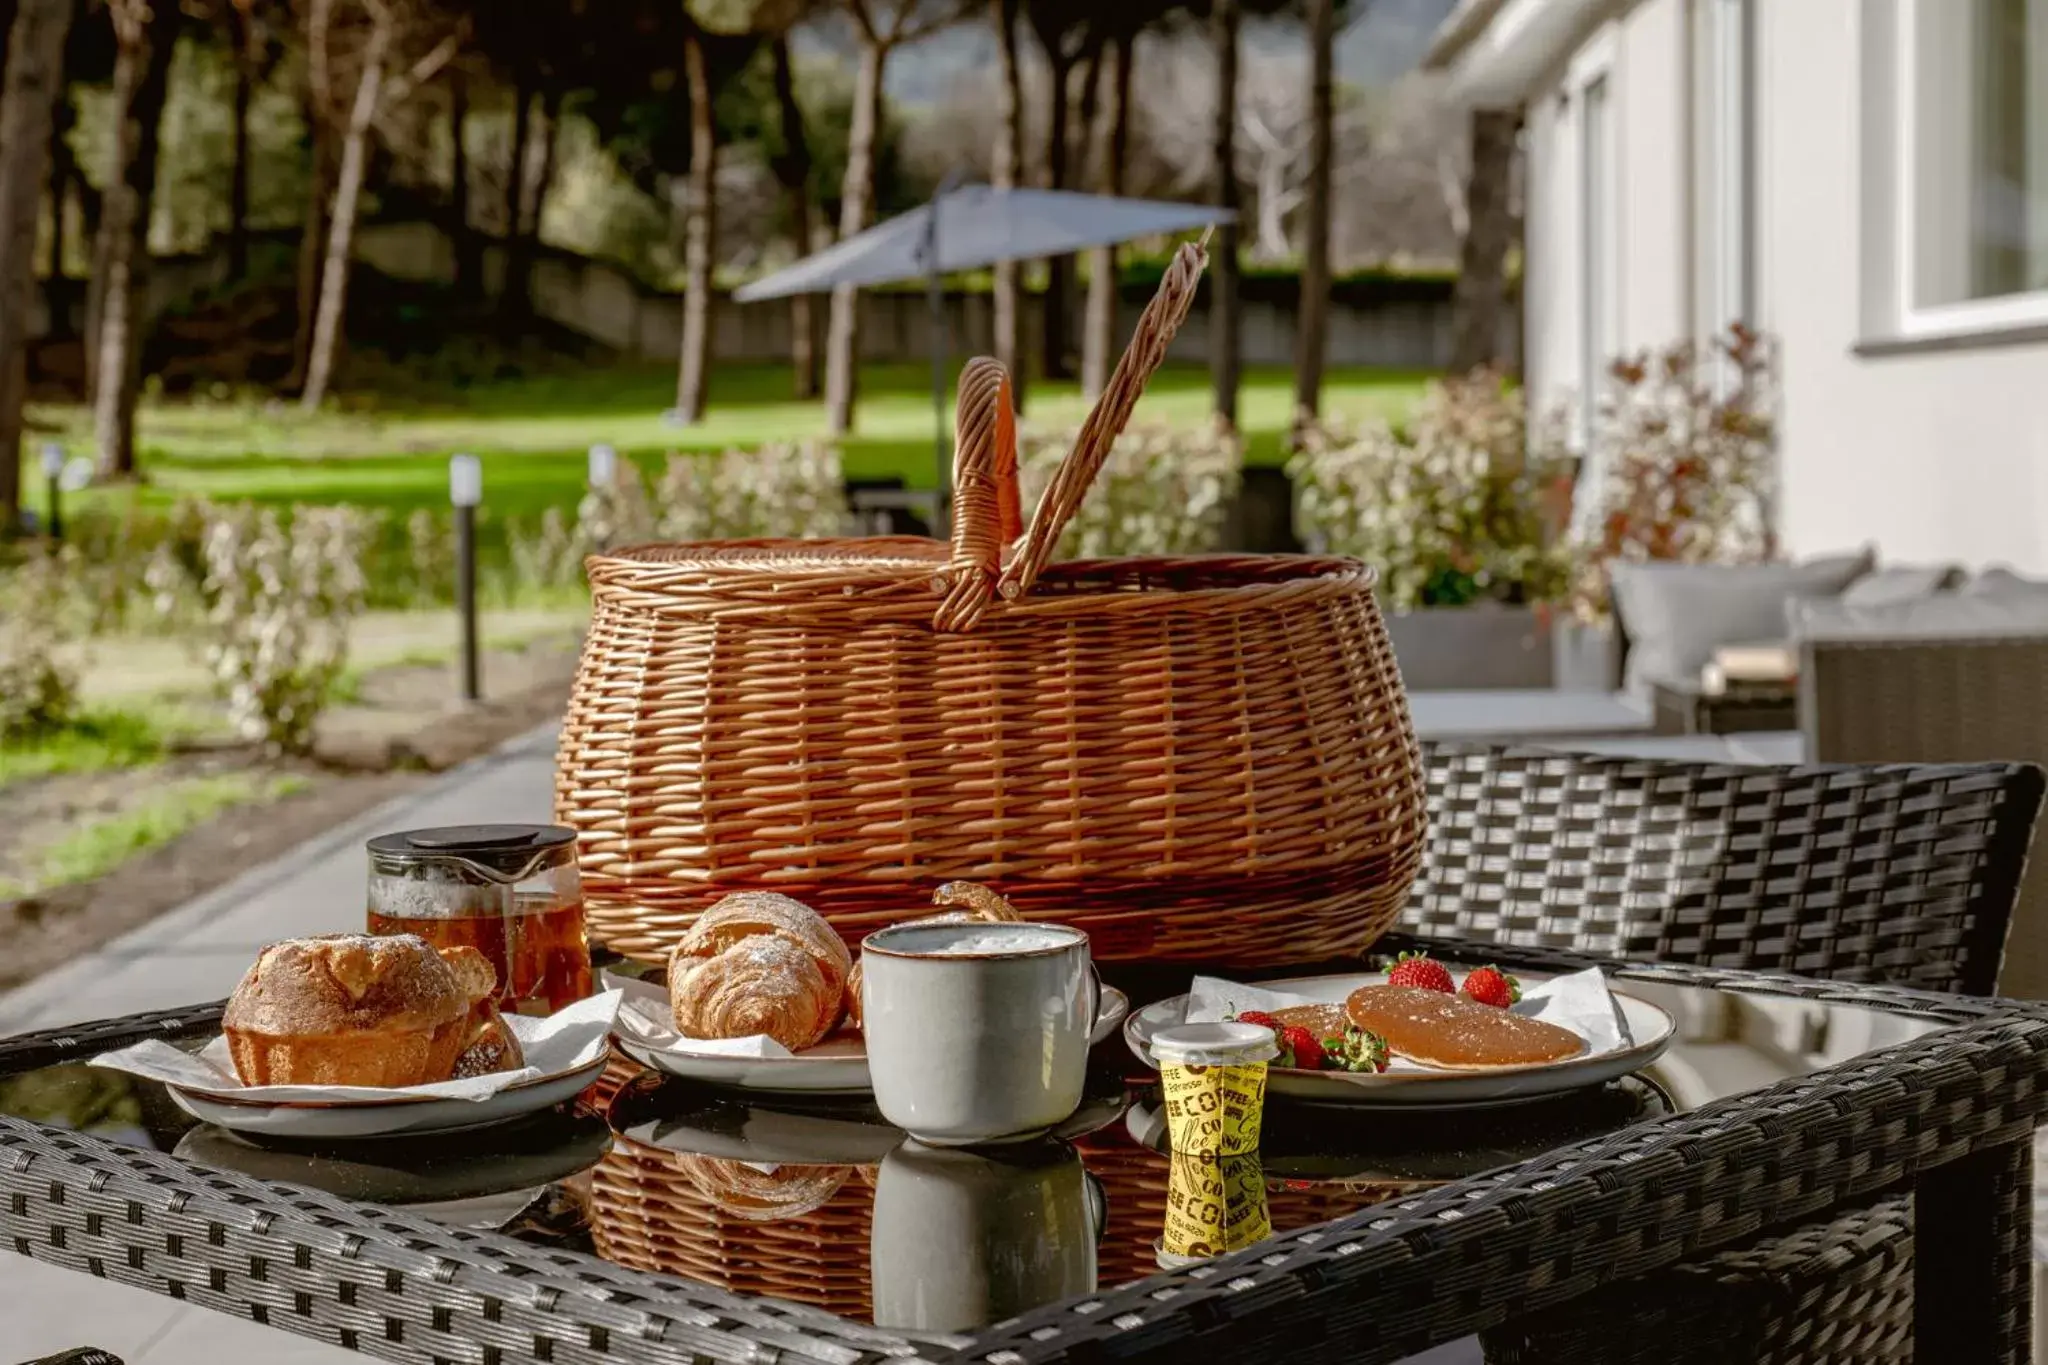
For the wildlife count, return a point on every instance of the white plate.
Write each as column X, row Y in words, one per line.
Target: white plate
column 837, row 1066
column 1650, row 1031
column 387, row 1119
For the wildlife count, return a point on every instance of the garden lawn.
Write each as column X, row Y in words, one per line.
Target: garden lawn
column 96, row 847
column 532, row 433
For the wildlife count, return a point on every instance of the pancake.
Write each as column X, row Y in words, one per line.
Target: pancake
column 1324, row 1021
column 1456, row 1034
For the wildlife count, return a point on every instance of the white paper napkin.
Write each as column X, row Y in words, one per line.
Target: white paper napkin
column 646, row 1018
column 1580, row 1002
column 568, row 1040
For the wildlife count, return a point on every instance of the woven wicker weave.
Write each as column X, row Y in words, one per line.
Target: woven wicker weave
column 658, row 1210
column 1206, row 758
column 1903, row 874
column 1836, row 1292
column 1944, row 700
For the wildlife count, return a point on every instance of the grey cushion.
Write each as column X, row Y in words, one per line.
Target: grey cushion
column 2002, row 583
column 1946, row 616
column 1902, row 583
column 1677, row 615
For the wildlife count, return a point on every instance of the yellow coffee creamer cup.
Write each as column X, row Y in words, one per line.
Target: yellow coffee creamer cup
column 1214, row 1076
column 1214, row 1205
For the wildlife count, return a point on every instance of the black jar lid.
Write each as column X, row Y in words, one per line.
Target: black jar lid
column 504, row 848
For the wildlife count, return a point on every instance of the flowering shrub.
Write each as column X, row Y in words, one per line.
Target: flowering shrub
column 615, row 515
column 38, row 688
column 430, row 555
column 786, row 490
column 279, row 600
column 1451, row 509
column 1163, row 490
column 1684, row 448
column 546, row 559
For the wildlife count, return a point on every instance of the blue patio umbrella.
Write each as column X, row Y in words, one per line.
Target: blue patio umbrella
column 966, row 228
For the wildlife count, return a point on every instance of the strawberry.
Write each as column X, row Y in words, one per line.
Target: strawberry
column 1357, row 1050
column 1299, row 1048
column 1492, row 986
column 1258, row 1017
column 1422, row 970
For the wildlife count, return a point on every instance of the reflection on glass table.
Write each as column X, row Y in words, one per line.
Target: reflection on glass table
column 823, row 1203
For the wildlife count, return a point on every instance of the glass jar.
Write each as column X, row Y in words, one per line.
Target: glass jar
column 509, row 891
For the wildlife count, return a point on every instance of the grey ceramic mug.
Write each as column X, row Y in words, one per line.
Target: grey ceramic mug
column 963, row 1239
column 977, row 1032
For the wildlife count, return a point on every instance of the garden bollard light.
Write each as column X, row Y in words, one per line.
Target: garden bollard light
column 466, row 490
column 53, row 473
column 604, row 466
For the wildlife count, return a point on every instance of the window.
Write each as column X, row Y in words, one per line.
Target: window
column 1596, row 251
column 1958, row 91
column 1726, row 124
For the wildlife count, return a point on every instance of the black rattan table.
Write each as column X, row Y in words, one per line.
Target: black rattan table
column 658, row 1222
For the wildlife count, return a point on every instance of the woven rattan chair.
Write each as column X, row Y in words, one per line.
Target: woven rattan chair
column 1898, row 874
column 1867, row 699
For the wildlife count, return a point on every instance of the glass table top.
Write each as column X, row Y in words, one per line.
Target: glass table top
column 822, row 1202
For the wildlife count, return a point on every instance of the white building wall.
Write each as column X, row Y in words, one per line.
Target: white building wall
column 1932, row 456
column 1550, row 276
column 1643, row 55
column 1656, row 278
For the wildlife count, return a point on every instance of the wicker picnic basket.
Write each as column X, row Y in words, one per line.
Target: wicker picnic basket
column 1199, row 758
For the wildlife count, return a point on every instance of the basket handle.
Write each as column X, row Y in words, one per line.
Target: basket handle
column 987, row 510
column 1162, row 318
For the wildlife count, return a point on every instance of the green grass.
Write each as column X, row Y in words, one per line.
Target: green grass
column 96, row 741
column 99, row 847
column 390, row 454
column 532, row 433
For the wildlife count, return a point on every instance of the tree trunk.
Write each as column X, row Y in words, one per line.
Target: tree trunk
column 700, row 230
column 856, row 203
column 513, row 298
column 1481, row 296
column 1059, row 274
column 348, row 192
column 1271, row 243
column 28, row 93
column 1009, row 155
column 793, row 169
column 469, row 266
column 1098, row 330
column 63, row 170
column 312, row 247
column 1313, row 317
column 238, row 170
column 544, row 180
column 142, row 79
column 1225, row 358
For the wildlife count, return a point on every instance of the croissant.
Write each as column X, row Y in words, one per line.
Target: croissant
column 762, row 1196
column 764, row 984
column 747, row 914
column 978, row 901
column 973, row 901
